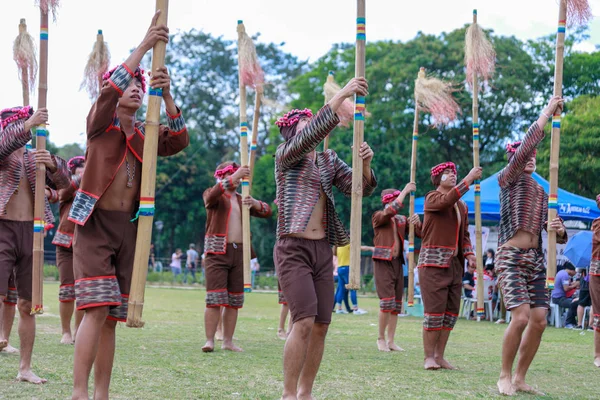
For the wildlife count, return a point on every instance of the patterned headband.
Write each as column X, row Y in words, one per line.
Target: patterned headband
column 388, row 198
column 220, row 173
column 16, row 114
column 511, row 148
column 139, row 74
column 293, row 117
column 75, row 162
column 440, row 168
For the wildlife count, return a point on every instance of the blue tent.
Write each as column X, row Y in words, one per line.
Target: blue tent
column 570, row 206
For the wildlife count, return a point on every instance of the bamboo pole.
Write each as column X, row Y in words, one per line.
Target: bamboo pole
column 478, row 239
column 413, row 178
column 24, row 71
column 326, row 140
column 257, row 100
column 37, row 305
column 244, row 161
column 357, row 162
column 148, row 184
column 555, row 145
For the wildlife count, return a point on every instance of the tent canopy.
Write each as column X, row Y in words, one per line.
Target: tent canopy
column 570, row 206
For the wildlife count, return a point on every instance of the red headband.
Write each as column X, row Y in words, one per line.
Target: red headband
column 220, row 173
column 511, row 148
column 139, row 74
column 75, row 162
column 293, row 117
column 17, row 114
column 440, row 168
column 388, row 198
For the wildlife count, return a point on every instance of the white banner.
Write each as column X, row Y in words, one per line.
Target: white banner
column 485, row 233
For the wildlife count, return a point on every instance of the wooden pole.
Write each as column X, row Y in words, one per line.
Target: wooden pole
column 555, row 145
column 357, row 162
column 100, row 40
column 478, row 240
column 24, row 72
column 411, row 208
column 257, row 99
column 37, row 304
column 244, row 161
column 326, row 140
column 148, row 185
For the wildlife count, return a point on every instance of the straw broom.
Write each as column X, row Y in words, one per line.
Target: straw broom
column 25, row 57
column 37, row 304
column 146, row 211
column 577, row 12
column 345, row 112
column 357, row 162
column 97, row 65
column 435, row 97
column 250, row 74
column 480, row 59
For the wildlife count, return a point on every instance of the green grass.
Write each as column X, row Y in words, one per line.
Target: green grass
column 164, row 360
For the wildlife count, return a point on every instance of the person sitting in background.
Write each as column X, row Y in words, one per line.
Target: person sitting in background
column 469, row 281
column 563, row 291
column 584, row 299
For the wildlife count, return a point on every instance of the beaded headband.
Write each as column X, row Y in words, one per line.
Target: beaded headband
column 220, row 173
column 15, row 114
column 293, row 117
column 139, row 74
column 388, row 198
column 511, row 148
column 440, row 168
column 75, row 162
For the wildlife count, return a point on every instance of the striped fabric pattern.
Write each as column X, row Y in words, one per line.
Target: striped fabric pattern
column 12, row 296
column 433, row 322
column 595, row 267
column 66, row 293
column 217, row 298
column 435, row 257
column 215, row 244
column 119, row 313
column 236, row 300
column 449, row 321
column 388, row 304
column 299, row 180
column 95, row 292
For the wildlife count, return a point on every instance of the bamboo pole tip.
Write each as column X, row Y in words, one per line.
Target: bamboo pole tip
column 99, row 31
column 240, row 26
column 22, row 21
column 135, row 323
column 421, row 72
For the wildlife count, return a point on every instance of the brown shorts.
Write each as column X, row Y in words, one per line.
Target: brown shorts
column 12, row 297
column 224, row 274
column 441, row 289
column 305, row 271
column 280, row 293
column 389, row 282
column 16, row 256
column 595, row 293
column 64, row 262
column 521, row 277
column 103, row 252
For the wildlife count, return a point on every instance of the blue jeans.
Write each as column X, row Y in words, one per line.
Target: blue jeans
column 187, row 270
column 341, row 292
column 253, row 276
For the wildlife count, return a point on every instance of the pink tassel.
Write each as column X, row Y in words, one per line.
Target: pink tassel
column 48, row 6
column 579, row 12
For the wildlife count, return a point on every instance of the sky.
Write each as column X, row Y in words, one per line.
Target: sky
column 308, row 27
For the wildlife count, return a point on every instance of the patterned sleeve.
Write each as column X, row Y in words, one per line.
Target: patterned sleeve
column 68, row 193
column 53, row 198
column 102, row 113
column 305, row 141
column 12, row 138
column 173, row 137
column 517, row 163
column 264, row 212
column 436, row 201
column 467, row 245
column 343, row 178
column 61, row 177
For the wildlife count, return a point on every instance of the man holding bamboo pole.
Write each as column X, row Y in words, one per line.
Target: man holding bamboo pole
column 105, row 237
column 520, row 257
column 17, row 193
column 445, row 246
column 223, row 244
column 307, row 228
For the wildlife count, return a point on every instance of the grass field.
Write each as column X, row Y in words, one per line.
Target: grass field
column 164, row 361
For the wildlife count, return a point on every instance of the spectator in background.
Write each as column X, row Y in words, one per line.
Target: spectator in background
column 151, row 259
column 563, row 291
column 469, row 281
column 343, row 270
column 254, row 267
column 584, row 299
column 176, row 263
column 488, row 259
column 191, row 263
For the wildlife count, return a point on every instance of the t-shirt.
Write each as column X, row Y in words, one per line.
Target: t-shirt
column 175, row 261
column 468, row 279
column 562, row 278
column 192, row 256
column 343, row 256
column 254, row 265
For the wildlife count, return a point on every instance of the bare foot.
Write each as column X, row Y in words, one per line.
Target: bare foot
column 281, row 334
column 67, row 339
column 506, row 387
column 597, row 362
column 10, row 350
column 523, row 387
column 3, row 344
column 30, row 377
column 231, row 347
column 209, row 347
column 394, row 347
column 431, row 365
column 445, row 364
column 305, row 396
column 382, row 345
column 219, row 336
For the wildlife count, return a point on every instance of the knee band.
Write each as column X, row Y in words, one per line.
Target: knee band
column 449, row 321
column 66, row 293
column 398, row 308
column 236, row 300
column 387, row 304
column 217, row 298
column 433, row 322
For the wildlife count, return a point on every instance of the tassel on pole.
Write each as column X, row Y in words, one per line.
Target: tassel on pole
column 96, row 66
column 24, row 54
